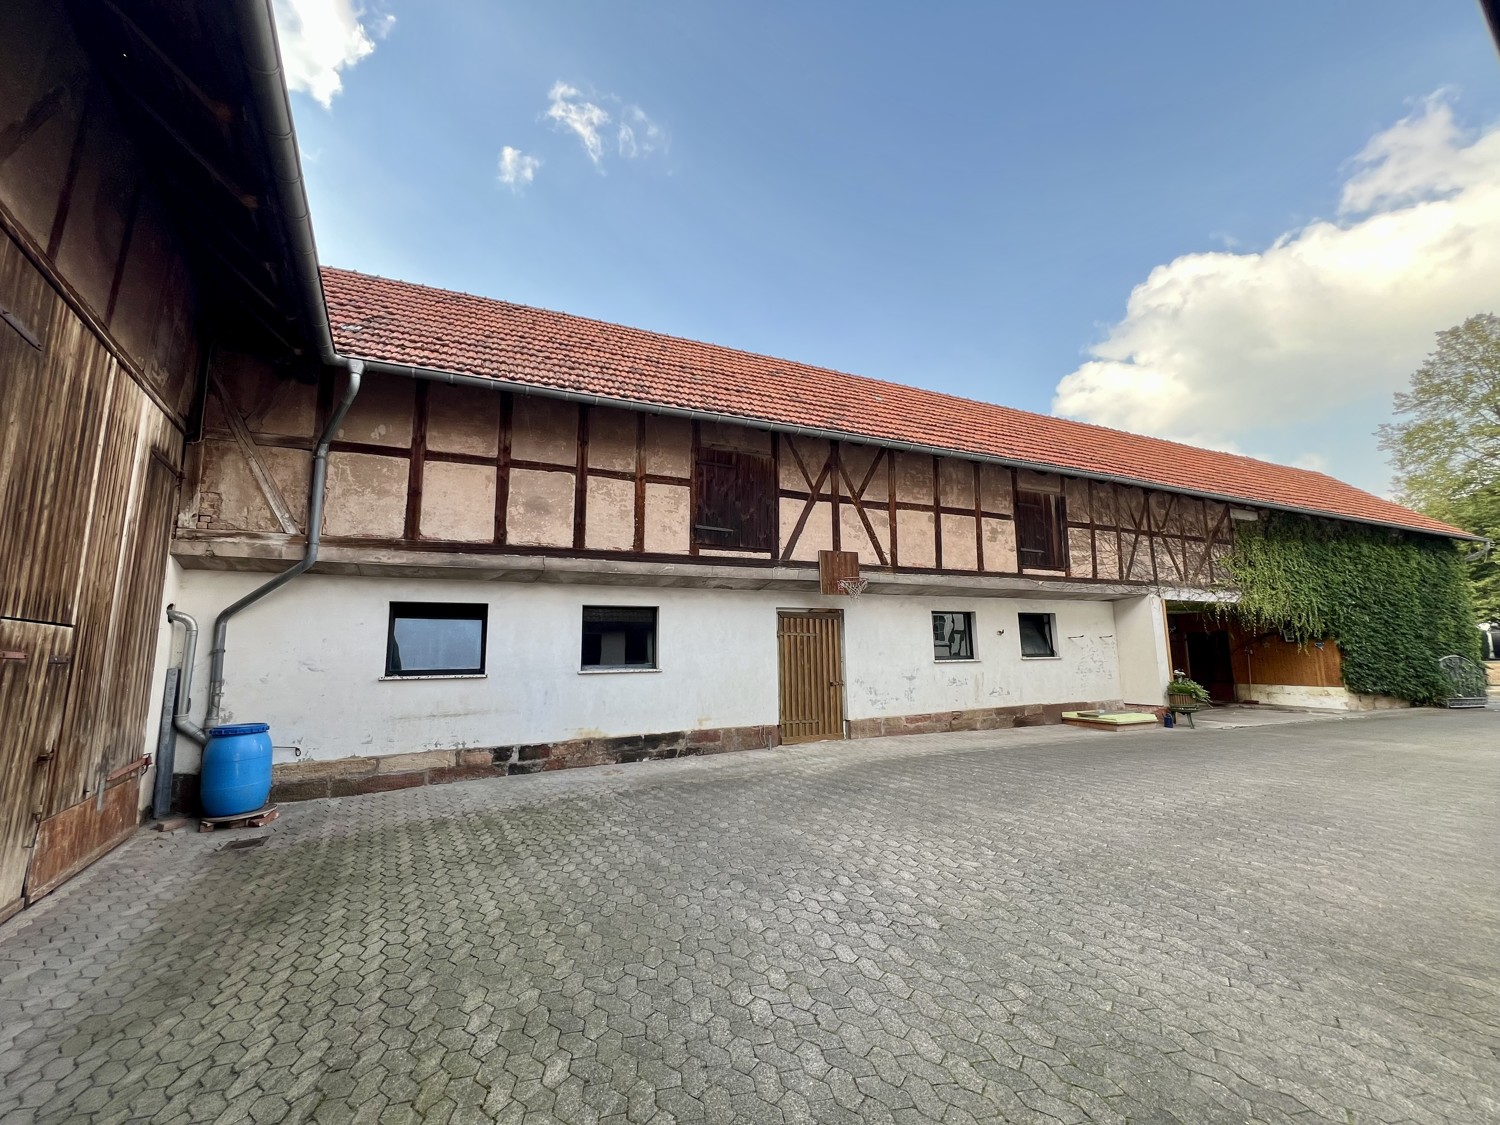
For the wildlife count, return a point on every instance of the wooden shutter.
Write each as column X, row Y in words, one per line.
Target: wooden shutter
column 1039, row 524
column 736, row 500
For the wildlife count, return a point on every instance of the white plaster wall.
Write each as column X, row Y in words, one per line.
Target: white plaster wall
column 1145, row 660
column 168, row 653
column 890, row 669
column 309, row 660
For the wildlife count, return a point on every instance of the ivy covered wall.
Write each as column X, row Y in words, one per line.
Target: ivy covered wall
column 1395, row 602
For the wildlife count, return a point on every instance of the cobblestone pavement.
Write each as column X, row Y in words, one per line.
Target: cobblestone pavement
column 1046, row 925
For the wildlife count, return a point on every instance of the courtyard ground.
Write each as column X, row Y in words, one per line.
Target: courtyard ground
column 1270, row 923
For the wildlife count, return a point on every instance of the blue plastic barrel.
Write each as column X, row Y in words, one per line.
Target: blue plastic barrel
column 236, row 775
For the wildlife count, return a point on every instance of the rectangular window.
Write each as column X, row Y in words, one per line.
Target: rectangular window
column 619, row 636
column 1037, row 633
column 736, row 505
column 436, row 639
column 953, row 636
column 1039, row 531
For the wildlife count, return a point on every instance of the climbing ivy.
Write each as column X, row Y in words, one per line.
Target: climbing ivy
column 1395, row 602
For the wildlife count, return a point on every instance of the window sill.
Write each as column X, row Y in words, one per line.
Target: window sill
column 1041, row 658
column 438, row 676
column 956, row 660
column 614, row 671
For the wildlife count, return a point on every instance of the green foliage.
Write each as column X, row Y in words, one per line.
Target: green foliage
column 1479, row 512
column 1396, row 603
column 1181, row 685
column 1445, row 442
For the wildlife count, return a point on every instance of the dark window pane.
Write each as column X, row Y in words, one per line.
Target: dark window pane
column 953, row 636
column 1036, row 635
column 618, row 637
column 435, row 638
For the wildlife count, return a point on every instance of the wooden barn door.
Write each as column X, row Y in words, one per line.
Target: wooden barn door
column 811, row 651
column 34, row 662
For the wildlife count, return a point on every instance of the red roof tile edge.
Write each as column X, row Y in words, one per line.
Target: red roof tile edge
column 410, row 325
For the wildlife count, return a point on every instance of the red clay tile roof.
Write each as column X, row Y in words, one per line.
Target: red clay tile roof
column 398, row 322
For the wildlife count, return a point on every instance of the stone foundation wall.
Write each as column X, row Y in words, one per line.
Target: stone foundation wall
column 343, row 777
column 984, row 718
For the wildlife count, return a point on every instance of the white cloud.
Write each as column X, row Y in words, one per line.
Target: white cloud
column 1334, row 316
column 569, row 110
column 639, row 135
column 320, row 38
column 516, row 168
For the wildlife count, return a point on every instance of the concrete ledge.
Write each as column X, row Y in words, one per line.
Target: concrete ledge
column 985, row 718
column 1315, row 698
column 256, row 553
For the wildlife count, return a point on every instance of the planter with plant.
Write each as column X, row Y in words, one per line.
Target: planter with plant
column 1183, row 692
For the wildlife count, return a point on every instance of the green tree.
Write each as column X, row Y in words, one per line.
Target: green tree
column 1445, row 442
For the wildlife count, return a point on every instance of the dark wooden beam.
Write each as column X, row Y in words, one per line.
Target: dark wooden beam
column 414, row 476
column 245, row 199
column 221, row 113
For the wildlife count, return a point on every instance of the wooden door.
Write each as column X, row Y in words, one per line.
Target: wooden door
column 810, row 646
column 34, row 666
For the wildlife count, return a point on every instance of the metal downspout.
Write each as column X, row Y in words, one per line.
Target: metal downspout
column 180, row 721
column 309, row 556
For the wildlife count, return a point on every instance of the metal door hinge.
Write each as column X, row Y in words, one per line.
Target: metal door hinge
column 25, row 333
column 14, row 654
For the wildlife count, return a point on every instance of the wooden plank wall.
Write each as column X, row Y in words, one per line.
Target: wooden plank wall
column 88, row 482
column 1265, row 658
column 76, row 195
column 437, row 467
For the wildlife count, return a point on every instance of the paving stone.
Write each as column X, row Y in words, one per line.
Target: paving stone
column 1288, row 923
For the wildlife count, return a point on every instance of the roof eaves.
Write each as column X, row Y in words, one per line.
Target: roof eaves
column 432, row 374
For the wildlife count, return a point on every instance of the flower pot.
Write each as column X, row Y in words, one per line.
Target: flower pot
column 1181, row 699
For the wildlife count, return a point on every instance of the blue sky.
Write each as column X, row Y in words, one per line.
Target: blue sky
column 961, row 196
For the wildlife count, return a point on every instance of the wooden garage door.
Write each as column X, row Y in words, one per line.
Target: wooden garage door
column 811, row 651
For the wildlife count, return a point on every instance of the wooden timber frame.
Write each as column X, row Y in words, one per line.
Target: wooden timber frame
column 433, row 467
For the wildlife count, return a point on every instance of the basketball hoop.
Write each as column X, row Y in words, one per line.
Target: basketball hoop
column 853, row 587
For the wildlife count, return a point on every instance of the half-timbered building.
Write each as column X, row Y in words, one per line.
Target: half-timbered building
column 432, row 536
column 551, row 541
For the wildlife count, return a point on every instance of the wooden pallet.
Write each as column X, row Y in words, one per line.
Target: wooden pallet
column 257, row 819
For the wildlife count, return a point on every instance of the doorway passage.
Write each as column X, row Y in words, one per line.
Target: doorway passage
column 1203, row 646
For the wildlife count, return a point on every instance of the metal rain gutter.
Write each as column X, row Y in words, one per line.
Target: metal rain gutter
column 262, row 54
column 273, row 104
column 436, row 375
